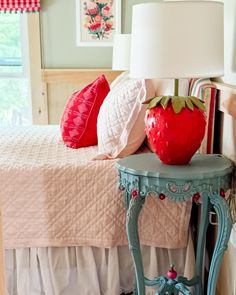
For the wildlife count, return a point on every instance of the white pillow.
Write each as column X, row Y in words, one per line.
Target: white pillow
column 120, row 124
column 119, row 79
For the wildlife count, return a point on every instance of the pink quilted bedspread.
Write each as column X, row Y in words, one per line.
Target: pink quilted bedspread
column 56, row 196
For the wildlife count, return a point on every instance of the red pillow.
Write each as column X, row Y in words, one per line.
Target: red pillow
column 79, row 119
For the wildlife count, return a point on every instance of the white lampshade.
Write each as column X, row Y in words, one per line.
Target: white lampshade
column 121, row 52
column 179, row 39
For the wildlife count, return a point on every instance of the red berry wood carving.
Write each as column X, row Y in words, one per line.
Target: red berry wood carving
column 172, row 274
column 175, row 127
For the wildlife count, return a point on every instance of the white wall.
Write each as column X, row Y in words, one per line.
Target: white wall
column 230, row 42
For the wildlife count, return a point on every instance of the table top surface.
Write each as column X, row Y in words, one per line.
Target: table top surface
column 200, row 167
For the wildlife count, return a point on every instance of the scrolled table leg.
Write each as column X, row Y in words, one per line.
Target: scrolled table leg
column 205, row 209
column 224, row 230
column 132, row 214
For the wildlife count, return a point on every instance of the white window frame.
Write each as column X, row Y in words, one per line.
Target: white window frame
column 24, row 51
column 37, row 91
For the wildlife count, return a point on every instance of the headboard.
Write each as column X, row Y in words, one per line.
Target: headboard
column 225, row 129
column 59, row 84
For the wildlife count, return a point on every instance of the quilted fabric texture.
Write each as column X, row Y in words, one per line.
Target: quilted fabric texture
column 120, row 125
column 79, row 119
column 119, row 79
column 55, row 196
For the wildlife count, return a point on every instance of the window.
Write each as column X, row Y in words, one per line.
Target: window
column 15, row 108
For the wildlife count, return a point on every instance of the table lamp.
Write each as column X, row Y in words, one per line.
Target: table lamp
column 176, row 39
column 121, row 56
column 121, row 52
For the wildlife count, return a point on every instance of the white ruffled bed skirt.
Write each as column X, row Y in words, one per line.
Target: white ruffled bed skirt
column 87, row 270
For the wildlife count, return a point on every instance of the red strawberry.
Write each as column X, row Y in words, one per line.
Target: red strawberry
column 175, row 127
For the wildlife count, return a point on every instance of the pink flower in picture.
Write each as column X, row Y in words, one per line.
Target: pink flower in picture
column 91, row 11
column 94, row 26
column 98, row 18
column 106, row 10
column 91, row 8
column 108, row 26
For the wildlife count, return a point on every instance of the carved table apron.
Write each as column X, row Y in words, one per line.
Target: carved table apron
column 205, row 179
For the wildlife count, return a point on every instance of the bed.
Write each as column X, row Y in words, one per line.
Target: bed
column 63, row 220
column 64, row 231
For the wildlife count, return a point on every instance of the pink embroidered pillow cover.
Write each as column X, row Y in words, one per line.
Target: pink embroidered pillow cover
column 120, row 125
column 79, row 119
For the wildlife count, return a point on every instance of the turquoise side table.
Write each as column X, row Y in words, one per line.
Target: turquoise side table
column 205, row 179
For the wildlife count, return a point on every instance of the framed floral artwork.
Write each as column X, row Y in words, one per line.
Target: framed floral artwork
column 97, row 22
